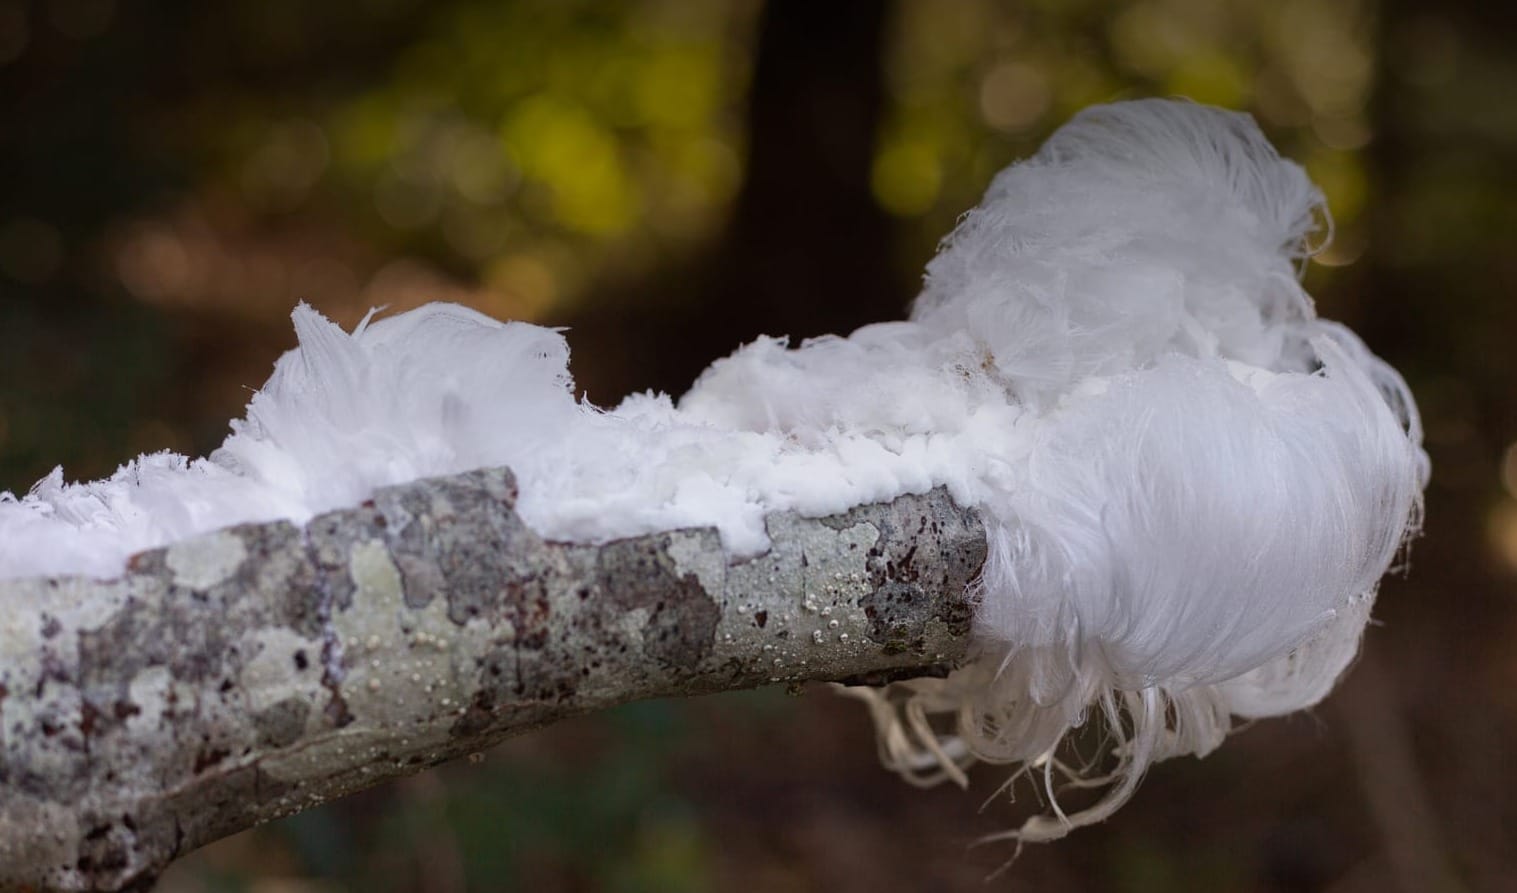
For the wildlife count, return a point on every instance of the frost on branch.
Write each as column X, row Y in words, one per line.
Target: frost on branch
column 1190, row 484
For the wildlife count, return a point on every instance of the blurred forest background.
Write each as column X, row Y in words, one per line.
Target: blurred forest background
column 672, row 177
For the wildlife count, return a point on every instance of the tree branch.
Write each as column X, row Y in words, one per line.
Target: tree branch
column 256, row 671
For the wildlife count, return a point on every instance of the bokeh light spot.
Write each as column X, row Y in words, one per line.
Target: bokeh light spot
column 1342, row 132
column 480, row 169
column 678, row 88
column 1501, row 530
column 1508, row 471
column 907, row 178
column 1147, row 39
column 288, row 162
column 153, row 264
column 1343, row 180
column 1211, row 77
column 1014, row 96
column 561, row 144
column 527, row 283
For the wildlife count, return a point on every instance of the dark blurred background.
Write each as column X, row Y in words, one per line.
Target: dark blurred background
column 673, row 177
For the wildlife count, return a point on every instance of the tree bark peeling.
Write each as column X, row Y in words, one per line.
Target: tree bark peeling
column 256, row 671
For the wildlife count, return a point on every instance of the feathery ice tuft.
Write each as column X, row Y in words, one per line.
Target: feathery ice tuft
column 1192, row 485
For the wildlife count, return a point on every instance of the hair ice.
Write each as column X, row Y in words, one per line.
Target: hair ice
column 1191, row 484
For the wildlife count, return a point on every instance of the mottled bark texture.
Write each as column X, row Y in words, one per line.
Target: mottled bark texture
column 259, row 670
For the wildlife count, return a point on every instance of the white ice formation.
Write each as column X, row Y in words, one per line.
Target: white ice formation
column 1192, row 484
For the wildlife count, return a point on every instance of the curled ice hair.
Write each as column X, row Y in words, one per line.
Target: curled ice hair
column 1217, row 479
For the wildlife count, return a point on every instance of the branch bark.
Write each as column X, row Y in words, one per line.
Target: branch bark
column 256, row 671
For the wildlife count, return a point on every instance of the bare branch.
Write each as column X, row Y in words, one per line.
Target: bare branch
column 257, row 671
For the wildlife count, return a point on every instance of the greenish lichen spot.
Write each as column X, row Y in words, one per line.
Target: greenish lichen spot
column 204, row 561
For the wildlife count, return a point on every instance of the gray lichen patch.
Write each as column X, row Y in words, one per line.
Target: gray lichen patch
column 280, row 681
column 457, row 539
column 401, row 663
column 681, row 613
column 922, row 554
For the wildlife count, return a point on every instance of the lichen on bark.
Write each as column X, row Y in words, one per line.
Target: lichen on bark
column 252, row 672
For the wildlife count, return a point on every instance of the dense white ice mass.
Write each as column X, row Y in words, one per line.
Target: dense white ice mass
column 1192, row 484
